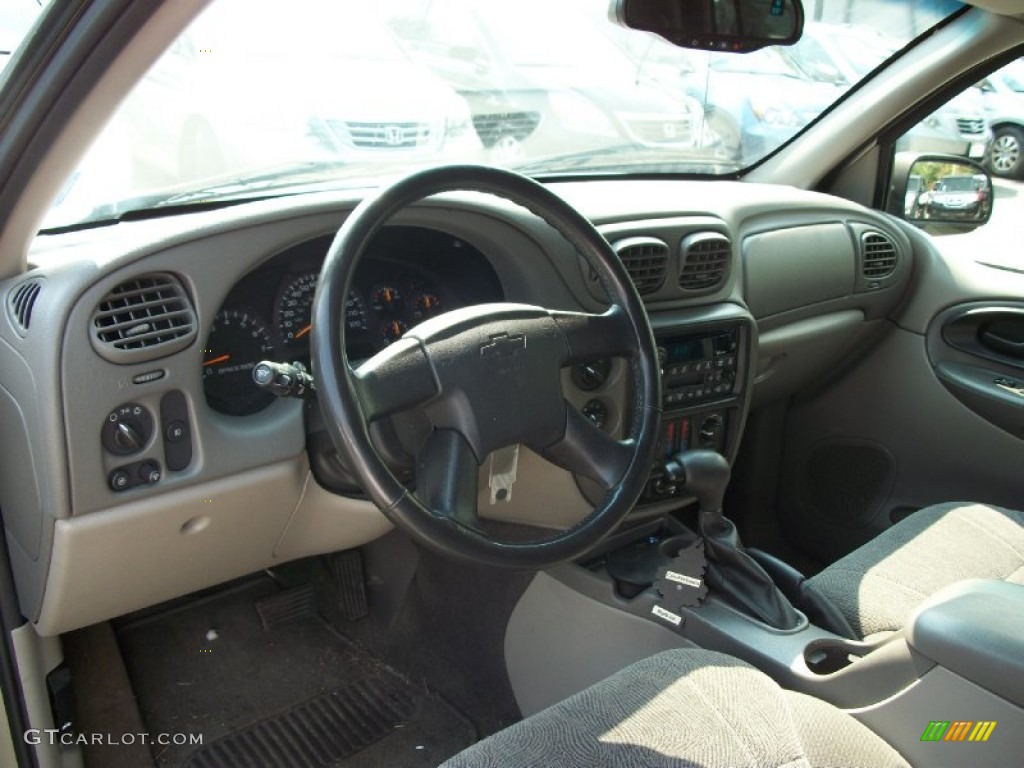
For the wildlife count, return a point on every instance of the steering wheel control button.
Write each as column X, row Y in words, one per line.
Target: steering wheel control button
column 127, row 429
column 591, row 375
column 174, row 426
column 596, row 411
column 120, row 480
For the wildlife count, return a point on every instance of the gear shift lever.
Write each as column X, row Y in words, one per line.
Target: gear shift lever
column 732, row 574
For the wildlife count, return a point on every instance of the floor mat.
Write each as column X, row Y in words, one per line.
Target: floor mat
column 266, row 682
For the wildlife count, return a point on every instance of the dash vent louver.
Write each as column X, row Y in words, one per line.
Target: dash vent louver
column 646, row 261
column 879, row 255
column 704, row 261
column 144, row 318
column 22, row 301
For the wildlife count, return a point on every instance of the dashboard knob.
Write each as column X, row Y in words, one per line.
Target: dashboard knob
column 127, row 429
column 149, row 472
column 127, row 438
column 711, row 428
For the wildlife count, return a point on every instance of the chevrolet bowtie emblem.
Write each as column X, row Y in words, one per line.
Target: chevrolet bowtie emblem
column 504, row 345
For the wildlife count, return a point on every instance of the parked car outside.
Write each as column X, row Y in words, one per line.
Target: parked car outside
column 756, row 101
column 843, row 54
column 380, row 106
column 750, row 102
column 524, row 87
column 957, row 197
column 1003, row 95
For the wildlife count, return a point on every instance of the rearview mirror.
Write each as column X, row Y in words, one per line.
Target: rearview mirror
column 737, row 26
column 945, row 190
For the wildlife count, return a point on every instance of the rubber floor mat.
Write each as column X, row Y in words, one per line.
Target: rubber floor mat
column 294, row 695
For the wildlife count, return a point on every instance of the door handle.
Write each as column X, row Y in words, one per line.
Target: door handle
column 1003, row 345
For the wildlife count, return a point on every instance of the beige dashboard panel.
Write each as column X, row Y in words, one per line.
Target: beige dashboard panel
column 543, row 495
column 119, row 560
column 325, row 522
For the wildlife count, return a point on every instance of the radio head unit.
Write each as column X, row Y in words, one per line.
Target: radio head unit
column 699, row 367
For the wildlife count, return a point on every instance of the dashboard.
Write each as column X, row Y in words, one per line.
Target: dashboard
column 408, row 275
column 163, row 460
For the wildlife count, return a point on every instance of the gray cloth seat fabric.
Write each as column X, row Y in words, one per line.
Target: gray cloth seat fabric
column 684, row 707
column 878, row 586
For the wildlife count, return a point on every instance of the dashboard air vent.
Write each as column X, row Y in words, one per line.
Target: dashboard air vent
column 879, row 252
column 705, row 261
column 143, row 319
column 21, row 302
column 646, row 261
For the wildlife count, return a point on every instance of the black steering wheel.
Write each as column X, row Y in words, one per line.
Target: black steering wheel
column 486, row 376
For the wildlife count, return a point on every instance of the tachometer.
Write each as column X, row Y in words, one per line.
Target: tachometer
column 239, row 339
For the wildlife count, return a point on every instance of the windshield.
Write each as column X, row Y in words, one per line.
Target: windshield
column 263, row 97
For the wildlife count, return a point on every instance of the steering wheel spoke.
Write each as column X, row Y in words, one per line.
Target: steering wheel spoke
column 396, row 379
column 447, row 477
column 586, row 450
column 591, row 336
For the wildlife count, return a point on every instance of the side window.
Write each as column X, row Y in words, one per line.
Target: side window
column 985, row 125
column 959, row 127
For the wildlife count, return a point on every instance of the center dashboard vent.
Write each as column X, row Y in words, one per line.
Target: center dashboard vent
column 646, row 261
column 879, row 255
column 143, row 319
column 704, row 262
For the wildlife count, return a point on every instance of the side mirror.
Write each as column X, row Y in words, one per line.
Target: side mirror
column 941, row 194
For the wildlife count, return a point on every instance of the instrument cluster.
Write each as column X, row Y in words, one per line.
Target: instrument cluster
column 407, row 276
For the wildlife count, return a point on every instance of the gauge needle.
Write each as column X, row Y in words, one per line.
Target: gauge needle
column 304, row 331
column 221, row 359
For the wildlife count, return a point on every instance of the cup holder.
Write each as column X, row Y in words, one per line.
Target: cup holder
column 827, row 655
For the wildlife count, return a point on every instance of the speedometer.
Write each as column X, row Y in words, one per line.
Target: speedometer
column 294, row 311
column 356, row 318
column 293, row 315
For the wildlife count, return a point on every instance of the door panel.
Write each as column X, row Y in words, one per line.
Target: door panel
column 924, row 417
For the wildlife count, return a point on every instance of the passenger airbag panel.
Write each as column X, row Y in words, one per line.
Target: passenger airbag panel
column 798, row 267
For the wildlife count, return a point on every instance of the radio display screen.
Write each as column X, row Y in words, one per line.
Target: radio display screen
column 687, row 349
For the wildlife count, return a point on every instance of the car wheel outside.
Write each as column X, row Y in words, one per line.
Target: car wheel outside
column 1006, row 152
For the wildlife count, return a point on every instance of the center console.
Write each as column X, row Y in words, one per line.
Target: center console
column 704, row 390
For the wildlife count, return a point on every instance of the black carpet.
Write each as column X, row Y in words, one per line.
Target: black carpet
column 267, row 682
